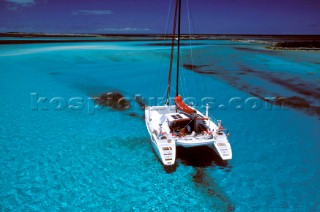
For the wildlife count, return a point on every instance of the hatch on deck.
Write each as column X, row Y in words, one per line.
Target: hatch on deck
column 176, row 117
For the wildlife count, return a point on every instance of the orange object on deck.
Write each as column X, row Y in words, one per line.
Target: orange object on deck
column 183, row 106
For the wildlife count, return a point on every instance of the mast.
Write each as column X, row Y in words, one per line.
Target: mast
column 178, row 56
column 172, row 53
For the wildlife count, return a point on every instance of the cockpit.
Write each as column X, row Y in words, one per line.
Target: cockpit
column 180, row 124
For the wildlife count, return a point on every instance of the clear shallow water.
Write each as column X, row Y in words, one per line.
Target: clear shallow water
column 67, row 159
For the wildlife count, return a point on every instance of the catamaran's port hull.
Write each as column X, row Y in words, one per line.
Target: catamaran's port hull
column 156, row 145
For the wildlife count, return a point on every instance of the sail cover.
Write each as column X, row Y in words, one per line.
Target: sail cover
column 183, row 106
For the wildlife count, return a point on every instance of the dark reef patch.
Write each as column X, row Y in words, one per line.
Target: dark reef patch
column 191, row 66
column 297, row 45
column 295, row 84
column 140, row 102
column 294, row 101
column 115, row 100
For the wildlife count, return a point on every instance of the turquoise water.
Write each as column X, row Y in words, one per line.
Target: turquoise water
column 62, row 158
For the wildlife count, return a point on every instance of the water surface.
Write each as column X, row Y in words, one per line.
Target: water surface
column 67, row 158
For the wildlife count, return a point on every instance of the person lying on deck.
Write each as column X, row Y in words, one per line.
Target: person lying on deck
column 182, row 132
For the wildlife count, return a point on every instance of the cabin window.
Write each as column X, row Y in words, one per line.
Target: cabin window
column 174, row 116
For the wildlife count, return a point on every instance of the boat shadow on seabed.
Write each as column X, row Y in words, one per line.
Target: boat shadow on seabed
column 200, row 158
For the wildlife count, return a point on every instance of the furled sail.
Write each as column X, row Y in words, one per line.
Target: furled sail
column 183, row 106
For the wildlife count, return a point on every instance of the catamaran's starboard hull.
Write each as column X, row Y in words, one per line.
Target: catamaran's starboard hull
column 223, row 149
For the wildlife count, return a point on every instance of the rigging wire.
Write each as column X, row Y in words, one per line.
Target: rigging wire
column 163, row 48
column 191, row 50
column 185, row 85
column 202, row 85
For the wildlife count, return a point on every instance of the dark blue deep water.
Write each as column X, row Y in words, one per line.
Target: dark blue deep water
column 63, row 153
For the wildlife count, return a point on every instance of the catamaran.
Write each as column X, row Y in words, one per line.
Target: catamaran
column 180, row 124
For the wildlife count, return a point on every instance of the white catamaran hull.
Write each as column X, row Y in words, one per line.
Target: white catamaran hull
column 164, row 141
column 164, row 146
